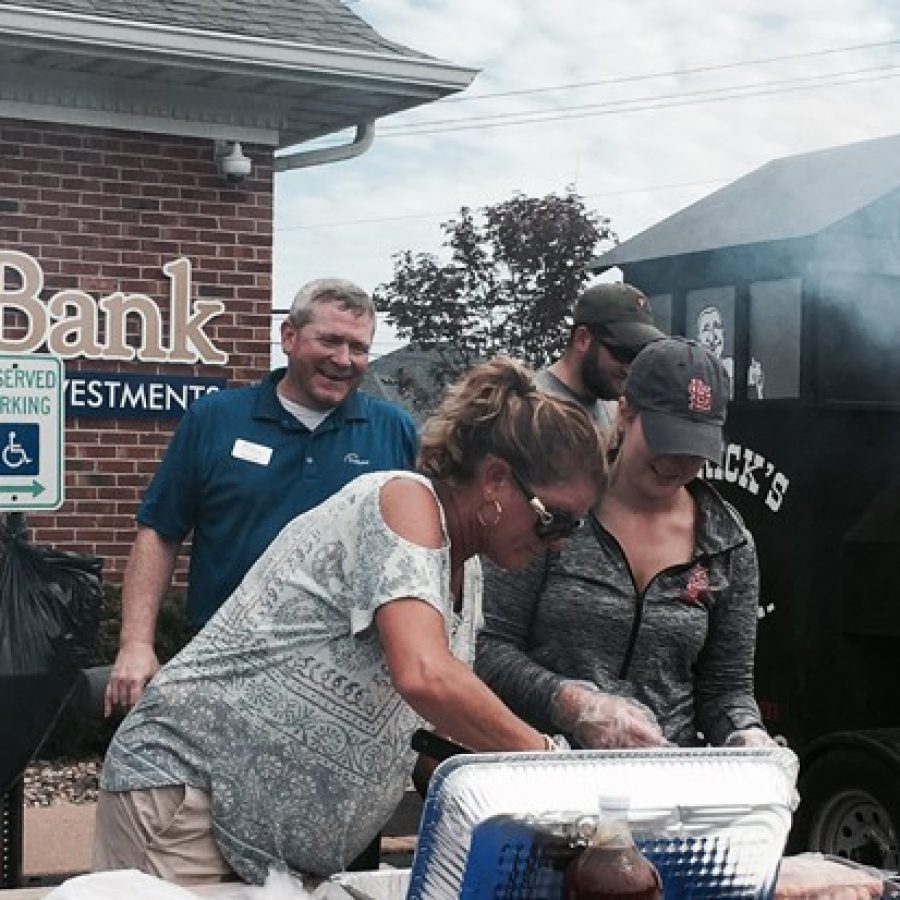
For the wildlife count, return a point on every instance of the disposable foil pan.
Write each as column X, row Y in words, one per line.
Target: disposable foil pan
column 713, row 821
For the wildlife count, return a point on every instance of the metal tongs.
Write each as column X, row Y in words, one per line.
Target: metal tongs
column 430, row 744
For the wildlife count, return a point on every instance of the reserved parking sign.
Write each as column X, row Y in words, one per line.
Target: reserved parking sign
column 32, row 430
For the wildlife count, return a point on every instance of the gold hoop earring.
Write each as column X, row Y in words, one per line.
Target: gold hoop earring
column 498, row 513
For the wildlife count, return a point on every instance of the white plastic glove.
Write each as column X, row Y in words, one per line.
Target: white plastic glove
column 811, row 876
column 750, row 737
column 603, row 721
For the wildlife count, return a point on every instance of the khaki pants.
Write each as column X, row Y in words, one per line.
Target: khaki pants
column 166, row 832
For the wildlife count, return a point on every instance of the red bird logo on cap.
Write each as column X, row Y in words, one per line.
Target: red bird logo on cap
column 699, row 396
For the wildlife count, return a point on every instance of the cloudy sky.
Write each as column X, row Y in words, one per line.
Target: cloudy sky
column 644, row 106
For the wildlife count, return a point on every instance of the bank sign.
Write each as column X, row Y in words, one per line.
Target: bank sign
column 31, row 432
column 72, row 324
column 118, row 327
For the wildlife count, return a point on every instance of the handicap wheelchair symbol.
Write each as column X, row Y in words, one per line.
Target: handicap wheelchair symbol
column 20, row 453
column 14, row 454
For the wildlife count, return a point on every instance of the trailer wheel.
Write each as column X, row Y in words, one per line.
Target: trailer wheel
column 849, row 807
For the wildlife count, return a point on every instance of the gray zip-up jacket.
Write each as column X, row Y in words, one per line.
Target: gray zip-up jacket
column 684, row 647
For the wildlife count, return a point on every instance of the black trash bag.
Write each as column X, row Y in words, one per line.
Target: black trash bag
column 49, row 612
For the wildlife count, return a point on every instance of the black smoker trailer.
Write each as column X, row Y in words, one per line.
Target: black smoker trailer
column 792, row 275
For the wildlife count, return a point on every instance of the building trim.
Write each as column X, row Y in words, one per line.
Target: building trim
column 242, row 54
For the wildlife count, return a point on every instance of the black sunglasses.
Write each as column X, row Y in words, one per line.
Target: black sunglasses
column 551, row 524
column 619, row 352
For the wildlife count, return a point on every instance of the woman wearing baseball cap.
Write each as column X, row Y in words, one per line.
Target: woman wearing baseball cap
column 642, row 630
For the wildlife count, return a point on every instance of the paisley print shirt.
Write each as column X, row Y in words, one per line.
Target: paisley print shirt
column 281, row 707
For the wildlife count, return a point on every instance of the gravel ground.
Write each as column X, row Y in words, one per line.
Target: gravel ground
column 62, row 781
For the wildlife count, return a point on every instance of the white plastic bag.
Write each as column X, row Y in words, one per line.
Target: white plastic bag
column 280, row 886
column 135, row 885
column 117, row 885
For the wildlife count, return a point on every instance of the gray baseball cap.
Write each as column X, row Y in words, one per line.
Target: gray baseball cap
column 681, row 391
column 620, row 309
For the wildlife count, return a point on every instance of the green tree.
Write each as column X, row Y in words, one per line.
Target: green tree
column 513, row 273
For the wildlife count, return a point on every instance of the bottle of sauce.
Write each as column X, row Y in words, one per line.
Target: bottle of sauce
column 611, row 867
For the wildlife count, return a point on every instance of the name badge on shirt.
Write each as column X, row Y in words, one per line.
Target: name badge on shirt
column 251, row 452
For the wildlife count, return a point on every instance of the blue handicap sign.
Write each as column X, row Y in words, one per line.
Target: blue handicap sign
column 20, row 444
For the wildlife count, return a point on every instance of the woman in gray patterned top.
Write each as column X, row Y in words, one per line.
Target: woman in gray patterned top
column 280, row 736
column 649, row 615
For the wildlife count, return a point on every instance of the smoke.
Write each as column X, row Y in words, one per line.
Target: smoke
column 859, row 335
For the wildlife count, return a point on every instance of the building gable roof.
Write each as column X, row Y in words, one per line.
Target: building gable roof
column 793, row 197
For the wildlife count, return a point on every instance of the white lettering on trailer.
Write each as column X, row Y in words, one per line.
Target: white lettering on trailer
column 751, row 472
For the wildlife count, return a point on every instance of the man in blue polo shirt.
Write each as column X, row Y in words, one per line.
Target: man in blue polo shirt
column 244, row 462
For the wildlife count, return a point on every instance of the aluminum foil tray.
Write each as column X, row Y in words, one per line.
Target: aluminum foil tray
column 713, row 821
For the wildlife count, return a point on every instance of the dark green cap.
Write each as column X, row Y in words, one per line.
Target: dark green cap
column 620, row 309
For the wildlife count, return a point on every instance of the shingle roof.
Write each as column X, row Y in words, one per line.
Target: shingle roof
column 792, row 197
column 273, row 72
column 407, row 376
column 325, row 23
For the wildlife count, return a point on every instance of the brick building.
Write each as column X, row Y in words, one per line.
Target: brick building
column 124, row 249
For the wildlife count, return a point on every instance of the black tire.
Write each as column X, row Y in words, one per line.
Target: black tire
column 849, row 807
